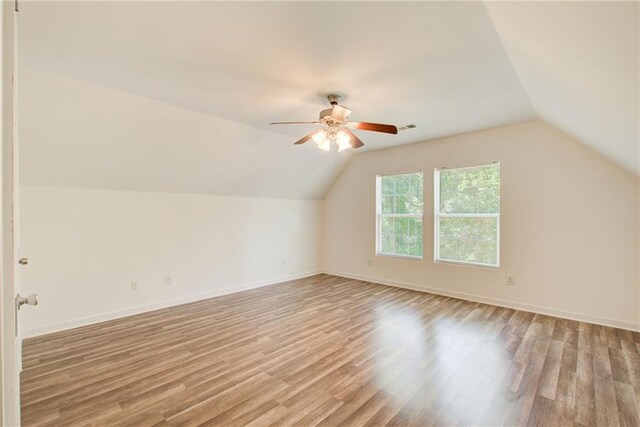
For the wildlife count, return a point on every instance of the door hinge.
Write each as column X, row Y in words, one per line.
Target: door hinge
column 17, row 6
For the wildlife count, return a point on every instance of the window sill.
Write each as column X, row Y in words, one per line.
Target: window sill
column 410, row 257
column 467, row 264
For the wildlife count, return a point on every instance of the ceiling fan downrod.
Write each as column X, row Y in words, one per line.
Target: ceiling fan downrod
column 334, row 99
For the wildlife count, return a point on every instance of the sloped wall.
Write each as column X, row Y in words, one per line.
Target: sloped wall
column 81, row 135
column 569, row 225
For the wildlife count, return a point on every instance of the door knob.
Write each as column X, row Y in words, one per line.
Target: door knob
column 23, row 261
column 30, row 300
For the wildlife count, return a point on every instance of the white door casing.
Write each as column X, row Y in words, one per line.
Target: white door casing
column 10, row 339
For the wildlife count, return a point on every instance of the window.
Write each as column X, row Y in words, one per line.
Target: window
column 467, row 215
column 399, row 215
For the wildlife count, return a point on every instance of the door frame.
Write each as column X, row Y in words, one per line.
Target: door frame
column 10, row 342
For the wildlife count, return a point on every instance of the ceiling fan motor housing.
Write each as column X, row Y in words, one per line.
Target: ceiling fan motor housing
column 333, row 100
column 326, row 113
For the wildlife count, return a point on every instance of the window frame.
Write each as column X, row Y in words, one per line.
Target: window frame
column 437, row 215
column 379, row 216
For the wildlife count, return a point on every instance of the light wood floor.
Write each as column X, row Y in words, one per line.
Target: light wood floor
column 332, row 351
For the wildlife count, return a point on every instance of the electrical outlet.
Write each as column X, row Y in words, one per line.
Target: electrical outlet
column 134, row 285
column 168, row 280
column 370, row 263
column 511, row 280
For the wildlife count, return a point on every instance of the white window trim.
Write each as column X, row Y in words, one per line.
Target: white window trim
column 436, row 225
column 379, row 215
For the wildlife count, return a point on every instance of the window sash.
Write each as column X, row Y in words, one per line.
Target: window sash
column 436, row 250
column 379, row 235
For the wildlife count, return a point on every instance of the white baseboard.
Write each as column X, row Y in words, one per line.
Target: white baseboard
column 158, row 305
column 582, row 317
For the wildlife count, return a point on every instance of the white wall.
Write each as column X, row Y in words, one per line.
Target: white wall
column 569, row 225
column 569, row 235
column 86, row 246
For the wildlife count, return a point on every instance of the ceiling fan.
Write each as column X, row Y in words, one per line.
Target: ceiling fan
column 336, row 127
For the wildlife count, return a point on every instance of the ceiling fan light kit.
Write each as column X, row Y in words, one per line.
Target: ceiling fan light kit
column 337, row 128
column 323, row 139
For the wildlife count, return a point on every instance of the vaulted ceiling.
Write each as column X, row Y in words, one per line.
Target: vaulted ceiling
column 579, row 63
column 177, row 96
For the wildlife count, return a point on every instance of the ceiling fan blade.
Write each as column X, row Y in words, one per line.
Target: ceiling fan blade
column 353, row 139
column 305, row 138
column 295, row 123
column 340, row 113
column 374, row 127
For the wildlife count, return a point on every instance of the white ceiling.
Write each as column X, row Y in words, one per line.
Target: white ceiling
column 189, row 87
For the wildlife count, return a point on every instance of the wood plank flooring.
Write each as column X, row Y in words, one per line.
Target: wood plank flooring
column 332, row 351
